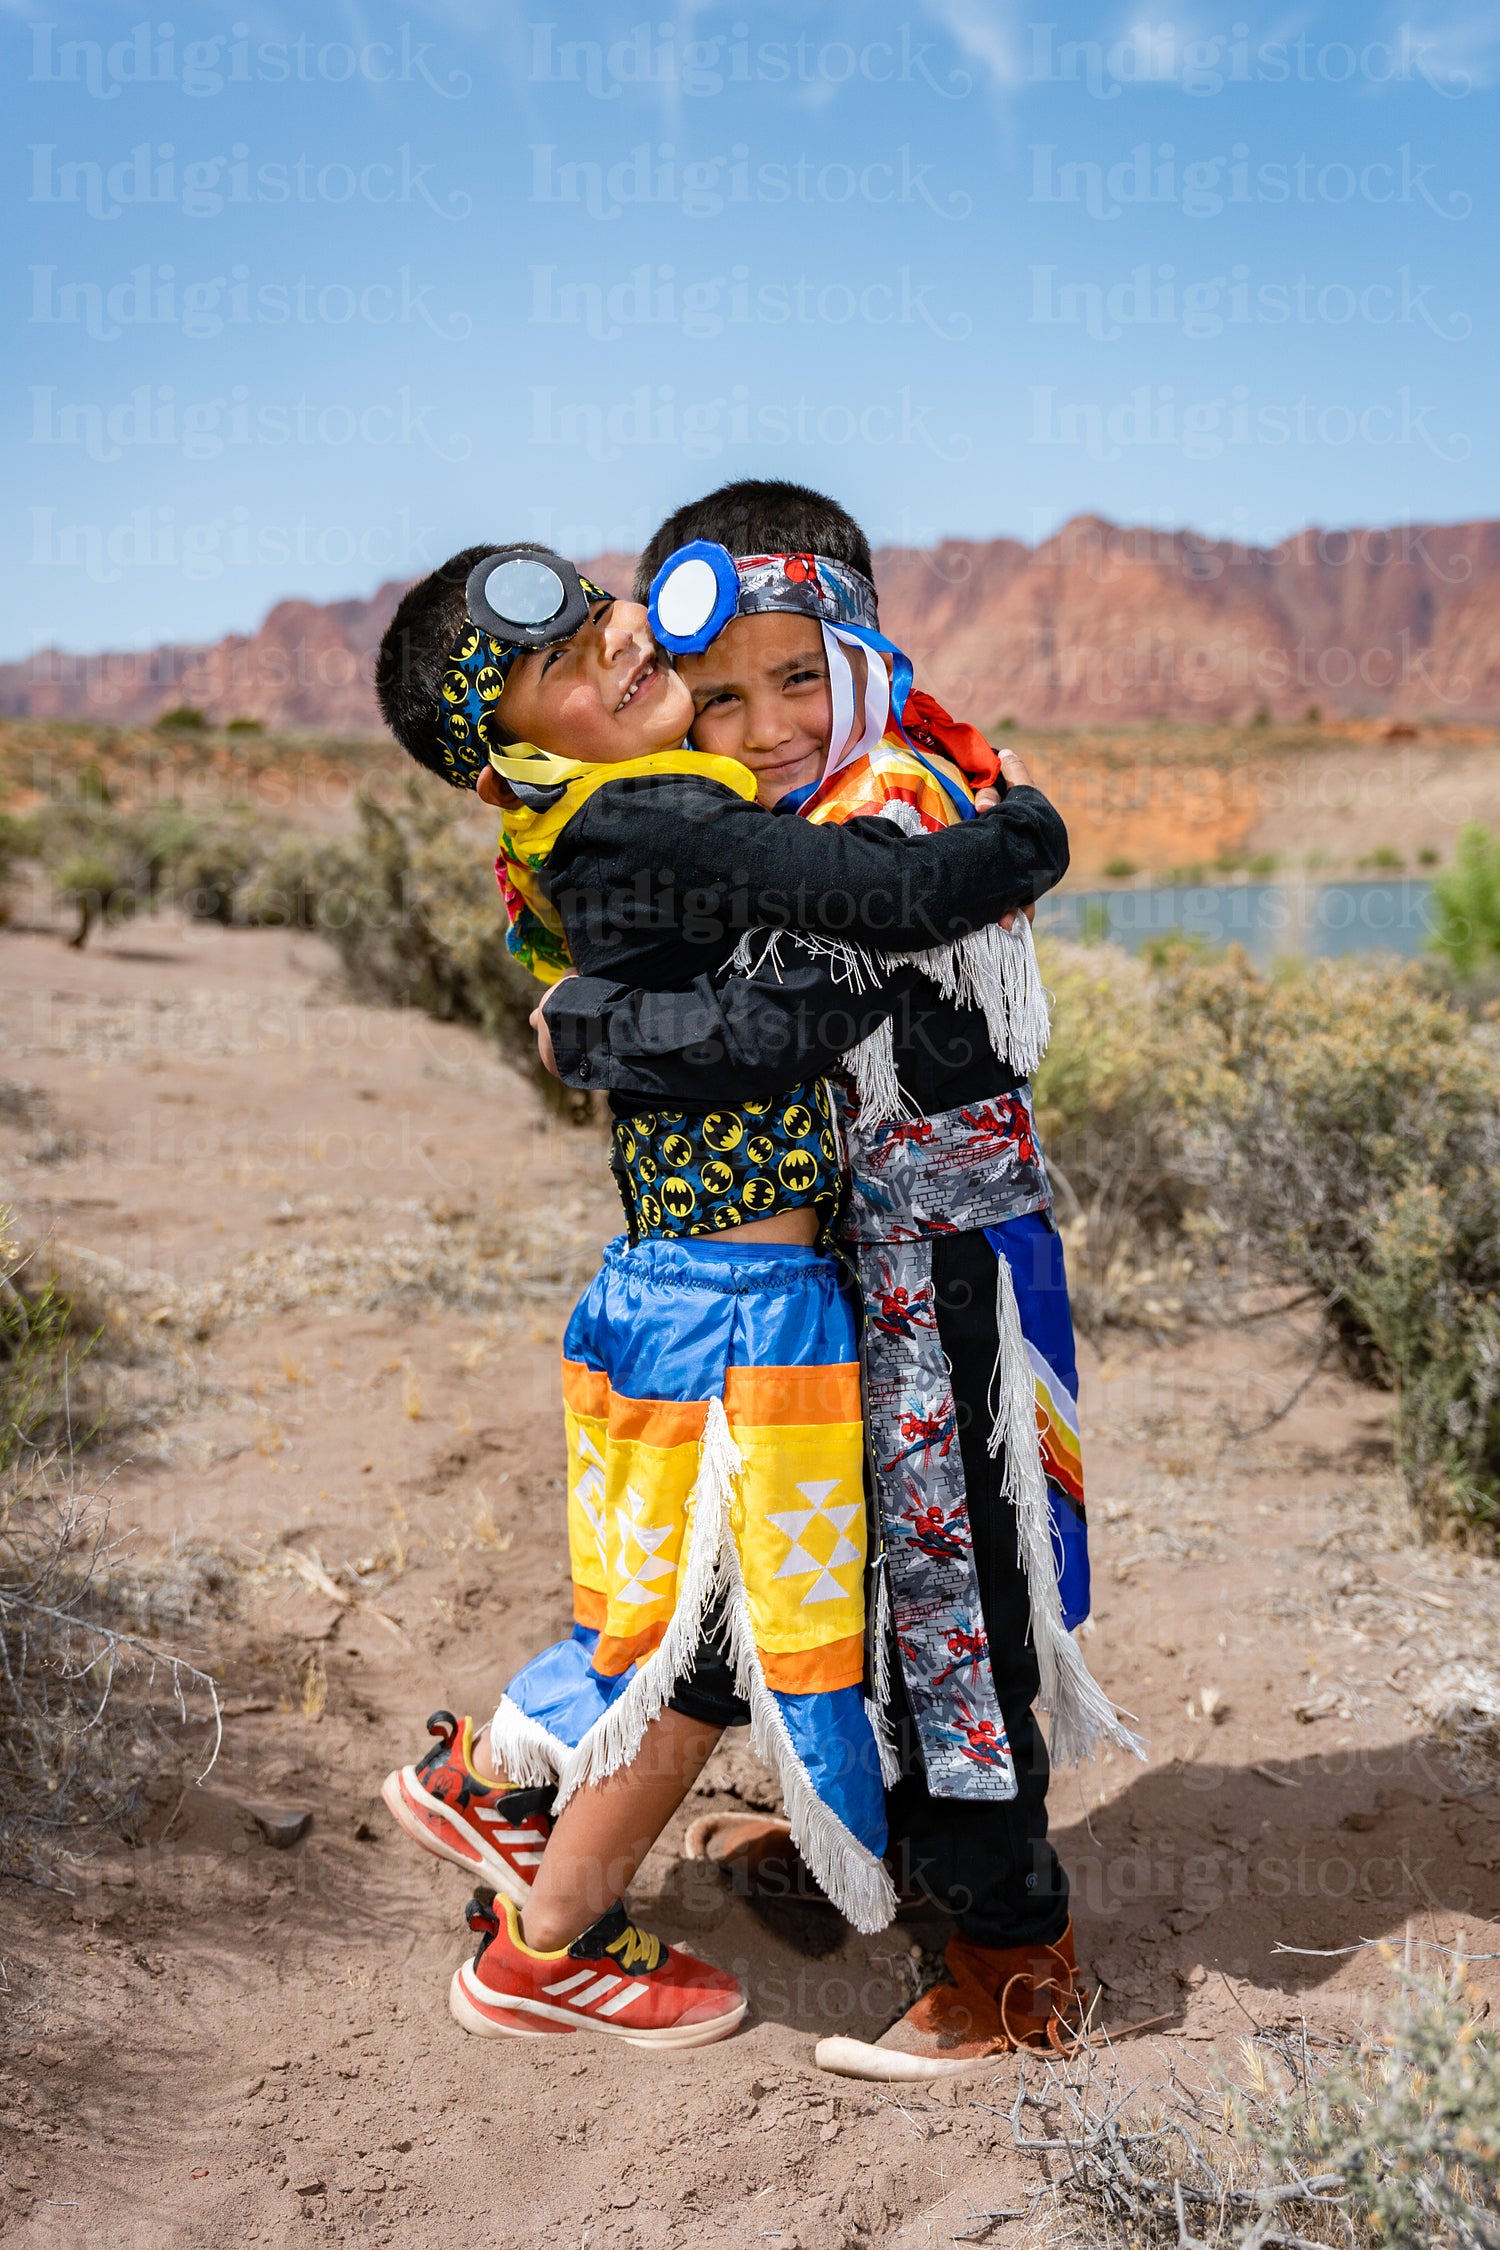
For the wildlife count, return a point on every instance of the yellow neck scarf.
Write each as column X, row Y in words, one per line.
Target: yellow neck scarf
column 556, row 789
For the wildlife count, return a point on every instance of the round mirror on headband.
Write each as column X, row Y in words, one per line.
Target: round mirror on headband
column 693, row 596
column 526, row 595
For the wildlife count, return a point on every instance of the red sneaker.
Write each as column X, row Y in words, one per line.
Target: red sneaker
column 615, row 1978
column 445, row 1807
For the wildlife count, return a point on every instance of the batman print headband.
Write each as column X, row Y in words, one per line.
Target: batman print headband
column 700, row 587
column 515, row 599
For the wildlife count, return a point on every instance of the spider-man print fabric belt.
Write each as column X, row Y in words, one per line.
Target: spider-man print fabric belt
column 926, row 1542
column 909, row 1180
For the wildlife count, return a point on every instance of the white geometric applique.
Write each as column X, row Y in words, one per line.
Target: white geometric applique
column 589, row 1490
column 637, row 1586
column 794, row 1523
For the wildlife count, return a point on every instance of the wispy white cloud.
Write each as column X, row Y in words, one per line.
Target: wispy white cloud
column 1454, row 55
column 987, row 33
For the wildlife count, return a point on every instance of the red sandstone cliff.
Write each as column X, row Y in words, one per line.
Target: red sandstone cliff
column 1097, row 624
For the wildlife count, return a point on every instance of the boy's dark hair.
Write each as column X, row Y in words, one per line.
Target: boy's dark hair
column 414, row 656
column 759, row 516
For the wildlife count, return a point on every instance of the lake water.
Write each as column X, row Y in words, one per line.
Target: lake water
column 1267, row 919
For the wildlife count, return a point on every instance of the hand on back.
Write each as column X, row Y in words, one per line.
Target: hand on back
column 1014, row 773
column 543, row 1030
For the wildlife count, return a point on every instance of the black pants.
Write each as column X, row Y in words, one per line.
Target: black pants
column 990, row 1864
column 707, row 1692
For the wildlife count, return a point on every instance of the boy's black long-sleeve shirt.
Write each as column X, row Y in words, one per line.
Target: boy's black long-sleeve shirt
column 660, row 877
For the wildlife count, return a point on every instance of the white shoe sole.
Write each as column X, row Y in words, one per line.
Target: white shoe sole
column 482, row 1860
column 481, row 2020
column 857, row 2058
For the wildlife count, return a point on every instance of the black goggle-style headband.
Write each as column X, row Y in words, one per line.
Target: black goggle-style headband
column 517, row 599
column 527, row 596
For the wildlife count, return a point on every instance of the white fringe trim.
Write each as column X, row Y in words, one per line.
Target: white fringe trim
column 992, row 970
column 872, row 1062
column 613, row 1740
column 761, row 949
column 882, row 1634
column 1081, row 1714
column 853, row 1878
column 996, row 971
column 879, row 1704
column 525, row 1752
column 877, row 1087
column 885, row 1743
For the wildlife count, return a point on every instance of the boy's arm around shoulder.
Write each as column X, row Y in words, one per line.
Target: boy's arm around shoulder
column 735, row 1039
column 664, row 848
column 738, row 1040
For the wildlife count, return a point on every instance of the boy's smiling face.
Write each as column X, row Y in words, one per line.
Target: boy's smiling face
column 605, row 695
column 761, row 694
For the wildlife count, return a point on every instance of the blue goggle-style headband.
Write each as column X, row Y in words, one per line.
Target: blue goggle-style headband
column 700, row 587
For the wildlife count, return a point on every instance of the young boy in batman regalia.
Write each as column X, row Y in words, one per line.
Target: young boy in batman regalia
column 715, row 1511
column 971, row 1381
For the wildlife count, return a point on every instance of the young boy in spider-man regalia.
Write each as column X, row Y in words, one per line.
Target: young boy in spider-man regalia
column 763, row 593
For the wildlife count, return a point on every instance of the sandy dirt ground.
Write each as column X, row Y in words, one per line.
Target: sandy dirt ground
column 350, row 1238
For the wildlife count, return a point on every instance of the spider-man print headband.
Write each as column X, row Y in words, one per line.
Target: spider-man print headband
column 700, row 587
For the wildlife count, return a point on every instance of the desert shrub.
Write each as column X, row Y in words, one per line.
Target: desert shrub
column 109, row 863
column 300, row 882
column 1349, row 1120
column 1113, row 1100
column 38, row 1354
column 183, row 715
column 106, row 862
column 1339, row 1124
column 17, row 842
column 78, row 1720
column 100, row 862
column 1389, row 2136
column 209, row 862
column 421, row 923
column 1466, row 903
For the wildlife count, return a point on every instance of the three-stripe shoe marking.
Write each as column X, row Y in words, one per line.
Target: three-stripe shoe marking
column 589, row 1999
column 435, row 1826
column 519, row 1855
column 597, row 1987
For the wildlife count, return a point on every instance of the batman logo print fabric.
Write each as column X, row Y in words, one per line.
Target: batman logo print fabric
column 684, row 1175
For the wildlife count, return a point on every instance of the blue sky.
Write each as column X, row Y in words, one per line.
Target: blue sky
column 309, row 299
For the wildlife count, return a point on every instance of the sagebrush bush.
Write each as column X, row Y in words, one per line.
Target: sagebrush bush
column 1340, row 1123
column 17, row 842
column 106, row 862
column 298, row 883
column 84, row 1692
column 212, row 862
column 39, row 1352
column 420, row 921
column 1408, row 2119
column 109, row 862
column 412, row 905
column 1390, row 2136
column 1353, row 1130
column 1113, row 1100
column 99, row 863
